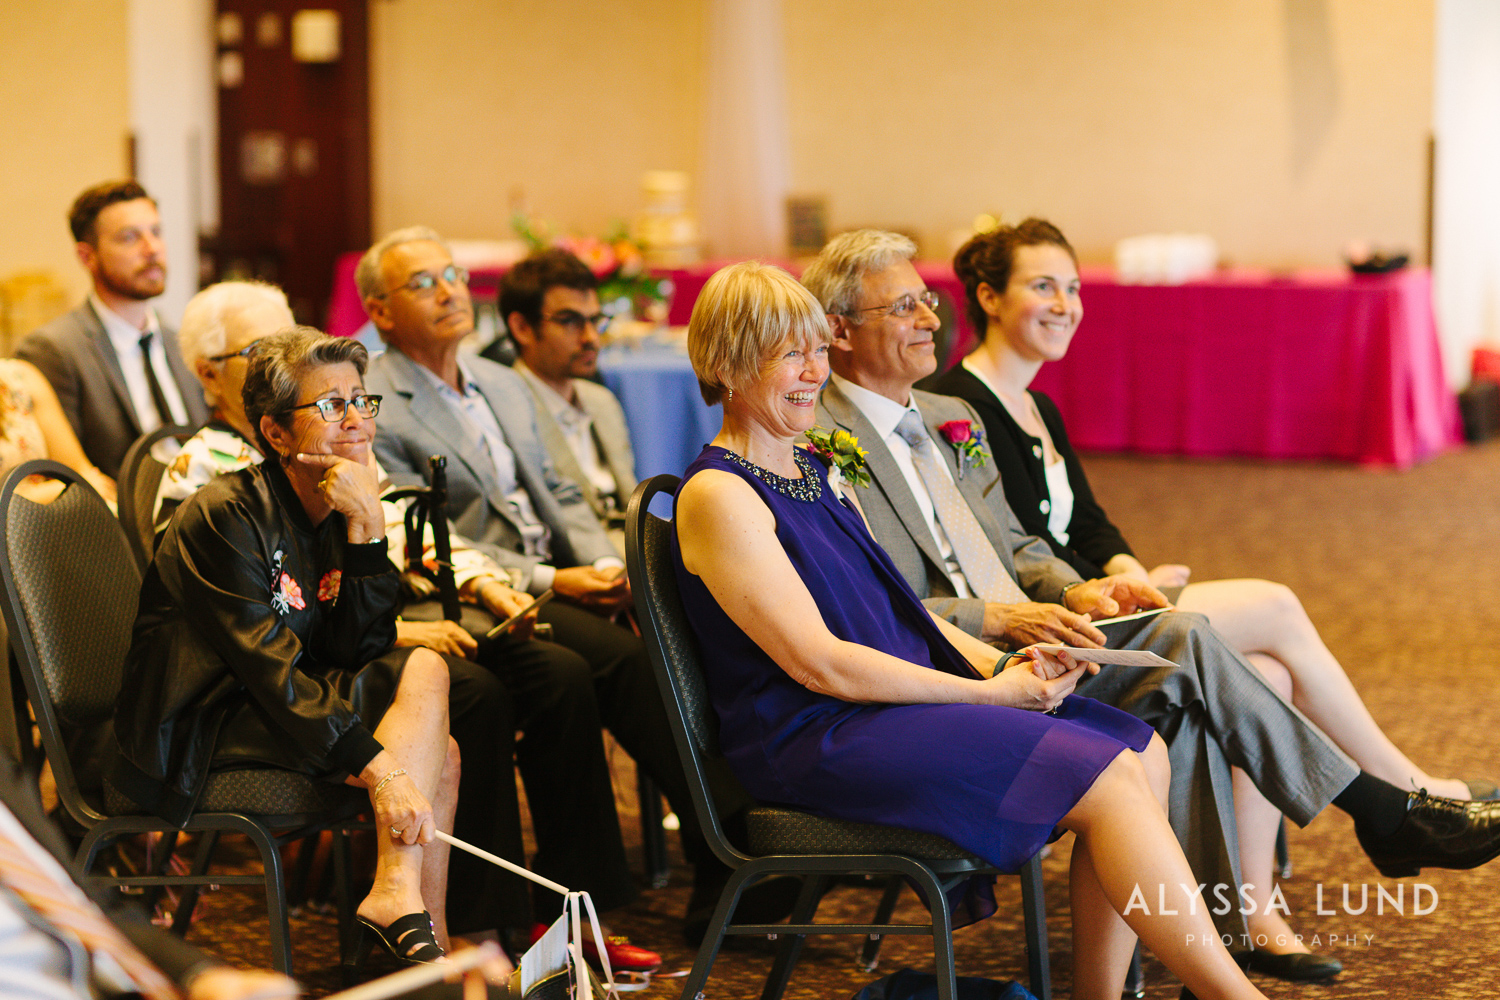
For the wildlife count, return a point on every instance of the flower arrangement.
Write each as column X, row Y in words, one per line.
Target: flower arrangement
column 845, row 458
column 626, row 288
column 967, row 440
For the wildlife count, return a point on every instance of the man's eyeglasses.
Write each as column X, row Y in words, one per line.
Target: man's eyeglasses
column 573, row 321
column 333, row 407
column 423, row 282
column 243, row 352
column 904, row 306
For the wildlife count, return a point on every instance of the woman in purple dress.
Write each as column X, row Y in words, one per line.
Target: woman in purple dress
column 839, row 694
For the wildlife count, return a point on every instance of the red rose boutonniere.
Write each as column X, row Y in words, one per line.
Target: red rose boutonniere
column 967, row 440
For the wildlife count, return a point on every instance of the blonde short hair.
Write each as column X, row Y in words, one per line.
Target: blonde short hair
column 744, row 313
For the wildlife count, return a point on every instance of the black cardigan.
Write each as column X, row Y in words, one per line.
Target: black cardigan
column 1092, row 538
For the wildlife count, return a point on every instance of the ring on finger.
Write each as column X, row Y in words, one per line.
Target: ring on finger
column 395, row 832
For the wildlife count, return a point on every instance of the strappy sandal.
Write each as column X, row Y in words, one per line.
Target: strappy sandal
column 411, row 940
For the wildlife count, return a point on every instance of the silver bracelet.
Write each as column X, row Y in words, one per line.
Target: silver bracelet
column 388, row 777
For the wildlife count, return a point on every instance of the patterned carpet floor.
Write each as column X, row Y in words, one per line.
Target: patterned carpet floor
column 1398, row 570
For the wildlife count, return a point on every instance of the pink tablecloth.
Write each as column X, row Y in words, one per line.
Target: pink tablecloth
column 1320, row 365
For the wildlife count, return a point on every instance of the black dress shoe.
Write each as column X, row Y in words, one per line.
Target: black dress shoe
column 1296, row 967
column 1481, row 790
column 1436, row 833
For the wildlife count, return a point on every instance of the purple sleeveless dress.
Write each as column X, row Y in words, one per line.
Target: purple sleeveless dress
column 993, row 780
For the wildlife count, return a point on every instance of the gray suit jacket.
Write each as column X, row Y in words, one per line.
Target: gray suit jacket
column 609, row 430
column 415, row 423
column 899, row 527
column 76, row 356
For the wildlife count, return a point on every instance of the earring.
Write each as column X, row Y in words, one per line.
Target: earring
column 730, row 396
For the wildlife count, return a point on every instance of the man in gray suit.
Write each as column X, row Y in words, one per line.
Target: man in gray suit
column 1212, row 708
column 506, row 497
column 550, row 302
column 116, row 370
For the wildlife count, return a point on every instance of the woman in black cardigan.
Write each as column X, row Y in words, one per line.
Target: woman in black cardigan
column 1022, row 290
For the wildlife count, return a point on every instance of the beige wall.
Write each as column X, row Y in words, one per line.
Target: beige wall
column 1283, row 129
column 66, row 94
column 567, row 102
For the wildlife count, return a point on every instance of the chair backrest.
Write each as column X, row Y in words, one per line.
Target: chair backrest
column 70, row 588
column 675, row 656
column 140, row 476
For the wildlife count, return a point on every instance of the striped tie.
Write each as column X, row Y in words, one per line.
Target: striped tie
column 976, row 556
column 67, row 909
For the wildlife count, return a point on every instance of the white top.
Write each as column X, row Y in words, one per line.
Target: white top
column 126, row 340
column 885, row 414
column 577, row 428
column 1061, row 493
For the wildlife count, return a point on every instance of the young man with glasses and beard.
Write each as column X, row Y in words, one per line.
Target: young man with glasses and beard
column 550, row 302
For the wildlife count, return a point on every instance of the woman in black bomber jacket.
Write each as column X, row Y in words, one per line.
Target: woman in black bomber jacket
column 265, row 637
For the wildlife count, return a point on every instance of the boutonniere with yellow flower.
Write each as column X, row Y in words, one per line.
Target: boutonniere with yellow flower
column 845, row 458
column 967, row 440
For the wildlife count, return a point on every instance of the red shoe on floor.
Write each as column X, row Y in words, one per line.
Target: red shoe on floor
column 623, row 956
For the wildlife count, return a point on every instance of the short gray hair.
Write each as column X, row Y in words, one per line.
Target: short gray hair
column 744, row 313
column 204, row 320
column 836, row 276
column 279, row 365
column 367, row 274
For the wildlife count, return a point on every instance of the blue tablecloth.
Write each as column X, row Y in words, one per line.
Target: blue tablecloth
column 669, row 423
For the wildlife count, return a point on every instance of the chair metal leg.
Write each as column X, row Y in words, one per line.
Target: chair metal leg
column 183, row 918
column 270, row 859
column 869, row 956
column 813, row 887
column 157, row 860
column 1034, row 910
column 653, row 837
column 942, row 934
column 713, row 938
column 1135, row 978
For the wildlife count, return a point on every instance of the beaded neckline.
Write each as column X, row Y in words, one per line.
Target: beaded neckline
column 808, row 489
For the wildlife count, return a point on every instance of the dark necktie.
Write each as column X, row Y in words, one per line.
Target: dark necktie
column 159, row 398
column 67, row 909
column 971, row 546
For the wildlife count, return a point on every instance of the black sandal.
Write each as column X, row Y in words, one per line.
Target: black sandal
column 411, row 940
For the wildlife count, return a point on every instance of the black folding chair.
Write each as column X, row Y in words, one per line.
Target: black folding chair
column 140, row 477
column 71, row 587
column 788, row 841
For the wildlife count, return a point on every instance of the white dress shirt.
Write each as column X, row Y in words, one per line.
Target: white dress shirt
column 126, row 340
column 885, row 414
column 577, row 428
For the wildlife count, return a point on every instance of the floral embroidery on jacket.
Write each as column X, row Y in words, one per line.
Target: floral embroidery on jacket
column 285, row 594
column 328, row 587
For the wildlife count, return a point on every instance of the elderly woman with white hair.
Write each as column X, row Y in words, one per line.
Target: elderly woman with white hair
column 839, row 693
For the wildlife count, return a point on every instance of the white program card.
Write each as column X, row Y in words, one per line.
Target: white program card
column 1121, row 657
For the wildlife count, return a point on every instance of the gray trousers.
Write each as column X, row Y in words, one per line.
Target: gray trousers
column 1213, row 710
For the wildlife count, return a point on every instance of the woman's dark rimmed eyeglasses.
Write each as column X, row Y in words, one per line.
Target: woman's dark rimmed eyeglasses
column 333, row 407
column 243, row 352
column 904, row 306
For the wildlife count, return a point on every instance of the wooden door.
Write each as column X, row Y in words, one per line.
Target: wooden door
column 294, row 144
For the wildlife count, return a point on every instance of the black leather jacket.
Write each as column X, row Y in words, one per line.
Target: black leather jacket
column 247, row 608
